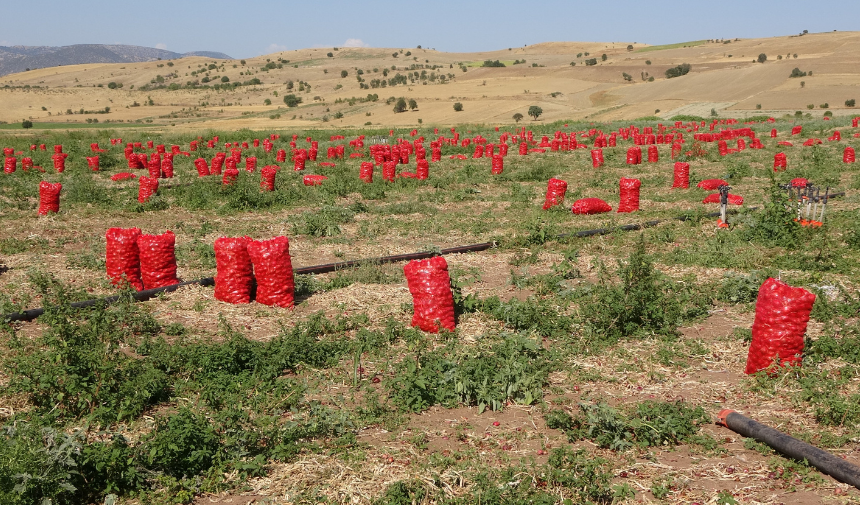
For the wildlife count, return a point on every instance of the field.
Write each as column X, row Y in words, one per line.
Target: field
column 582, row 370
column 568, row 80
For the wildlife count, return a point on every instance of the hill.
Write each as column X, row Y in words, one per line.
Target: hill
column 22, row 58
column 343, row 87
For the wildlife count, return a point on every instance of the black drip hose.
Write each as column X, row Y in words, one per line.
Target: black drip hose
column 141, row 296
column 827, row 463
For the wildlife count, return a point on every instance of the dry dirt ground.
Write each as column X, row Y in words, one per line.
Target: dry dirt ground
column 724, row 76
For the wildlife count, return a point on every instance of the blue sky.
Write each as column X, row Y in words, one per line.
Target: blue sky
column 253, row 27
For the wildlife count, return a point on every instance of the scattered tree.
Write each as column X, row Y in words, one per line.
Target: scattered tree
column 413, row 104
column 344, row 73
column 682, row 69
column 330, row 55
column 26, row 124
column 591, row 62
column 111, row 85
column 458, row 107
column 394, row 55
column 797, row 73
column 292, row 100
column 400, row 106
column 630, row 47
column 850, row 103
column 518, row 117
column 627, row 77
column 603, row 57
column 267, row 101
column 491, row 63
column 647, row 62
column 535, row 111
column 225, row 79
column 802, row 84
column 762, row 58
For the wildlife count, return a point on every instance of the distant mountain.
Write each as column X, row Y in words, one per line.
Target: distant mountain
column 20, row 58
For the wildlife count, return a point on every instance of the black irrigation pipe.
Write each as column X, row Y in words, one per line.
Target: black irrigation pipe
column 827, row 463
column 142, row 296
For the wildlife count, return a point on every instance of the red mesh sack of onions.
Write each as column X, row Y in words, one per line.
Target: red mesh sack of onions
column 49, row 197
column 234, row 278
column 147, row 187
column 432, row 299
column 273, row 270
column 590, row 206
column 555, row 191
column 781, row 315
column 629, row 197
column 122, row 257
column 711, row 184
column 157, row 260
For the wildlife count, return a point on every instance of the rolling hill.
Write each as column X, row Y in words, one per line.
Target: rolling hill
column 22, row 58
column 348, row 87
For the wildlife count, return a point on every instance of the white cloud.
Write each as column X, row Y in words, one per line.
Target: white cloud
column 161, row 45
column 355, row 43
column 274, row 48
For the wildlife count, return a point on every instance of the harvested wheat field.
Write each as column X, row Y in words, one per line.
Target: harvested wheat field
column 574, row 317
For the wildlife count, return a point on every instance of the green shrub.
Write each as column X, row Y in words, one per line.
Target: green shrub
column 682, row 69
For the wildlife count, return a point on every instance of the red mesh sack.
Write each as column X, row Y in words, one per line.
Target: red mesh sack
column 479, row 151
column 59, row 162
column 93, row 163
column 121, row 176
column 250, row 163
column 629, row 198
column 422, row 170
column 590, row 206
column 653, row 154
column 731, row 199
column 432, row 299
column 58, row 149
column 797, row 130
column 773, row 133
column 682, row 175
column 780, row 162
column 234, row 278
column 230, row 163
column 122, row 257
column 230, row 176
column 781, row 316
column 217, row 164
column 366, row 172
column 49, row 197
column 555, row 191
column 634, row 155
column 8, row 151
column 389, row 171
column 10, row 164
column 157, row 260
column 267, row 178
column 167, row 168
column 498, row 164
column 799, row 182
column 313, row 180
column 711, row 184
column 848, row 156
column 524, row 148
column 26, row 163
column 597, row 158
column 147, row 187
column 202, row 167
column 273, row 270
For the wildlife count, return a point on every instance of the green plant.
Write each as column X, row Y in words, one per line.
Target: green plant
column 292, row 100
column 762, row 58
column 400, row 106
column 518, row 117
column 850, row 102
column 458, row 107
column 535, row 112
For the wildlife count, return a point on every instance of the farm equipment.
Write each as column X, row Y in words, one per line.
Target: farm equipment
column 810, row 205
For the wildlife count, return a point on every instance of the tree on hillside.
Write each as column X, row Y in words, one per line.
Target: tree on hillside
column 850, row 103
column 344, row 73
column 535, row 111
column 26, row 124
column 630, row 47
column 682, row 69
column 762, row 58
column 603, row 57
column 400, row 106
column 413, row 104
column 292, row 100
column 518, row 117
column 458, row 107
